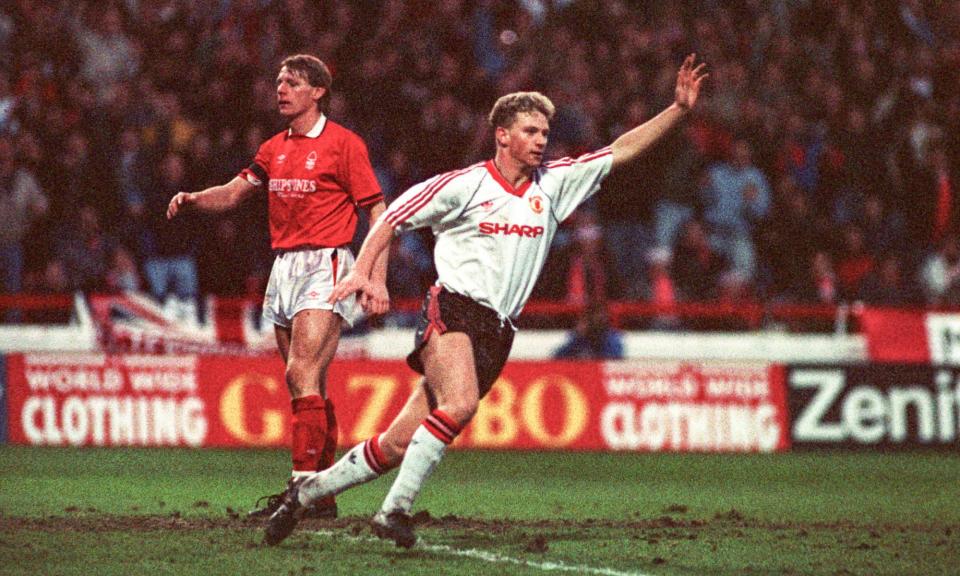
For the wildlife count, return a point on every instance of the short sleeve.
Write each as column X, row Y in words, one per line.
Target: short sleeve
column 435, row 201
column 356, row 174
column 576, row 179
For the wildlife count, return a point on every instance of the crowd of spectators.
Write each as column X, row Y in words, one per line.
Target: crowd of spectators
column 821, row 168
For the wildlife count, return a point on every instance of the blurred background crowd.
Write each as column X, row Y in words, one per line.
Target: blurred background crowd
column 821, row 168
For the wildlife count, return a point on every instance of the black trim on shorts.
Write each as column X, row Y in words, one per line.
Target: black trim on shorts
column 444, row 311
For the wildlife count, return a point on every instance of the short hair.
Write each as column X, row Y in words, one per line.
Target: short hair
column 316, row 73
column 506, row 108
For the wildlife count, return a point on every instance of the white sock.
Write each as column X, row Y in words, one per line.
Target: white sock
column 423, row 455
column 361, row 464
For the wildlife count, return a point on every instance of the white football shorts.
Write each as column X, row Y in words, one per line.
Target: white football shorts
column 303, row 280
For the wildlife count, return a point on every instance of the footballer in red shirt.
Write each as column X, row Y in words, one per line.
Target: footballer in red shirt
column 317, row 175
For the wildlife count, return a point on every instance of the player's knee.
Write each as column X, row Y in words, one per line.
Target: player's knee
column 301, row 381
column 461, row 408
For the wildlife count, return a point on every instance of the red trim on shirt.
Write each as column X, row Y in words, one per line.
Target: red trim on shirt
column 519, row 192
column 412, row 206
column 334, row 260
column 589, row 156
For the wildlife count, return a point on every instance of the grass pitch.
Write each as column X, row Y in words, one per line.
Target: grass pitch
column 139, row 511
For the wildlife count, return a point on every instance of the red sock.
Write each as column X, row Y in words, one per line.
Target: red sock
column 309, row 432
column 329, row 453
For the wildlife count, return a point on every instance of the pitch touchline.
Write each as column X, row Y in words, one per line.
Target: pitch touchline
column 492, row 557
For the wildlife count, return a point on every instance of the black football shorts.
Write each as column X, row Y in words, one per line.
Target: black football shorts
column 444, row 311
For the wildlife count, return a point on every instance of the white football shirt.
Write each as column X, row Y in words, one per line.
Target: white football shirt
column 492, row 240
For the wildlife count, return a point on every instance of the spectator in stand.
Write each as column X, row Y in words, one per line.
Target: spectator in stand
column 684, row 173
column 662, row 290
column 735, row 200
column 940, row 274
column 886, row 285
column 862, row 171
column 625, row 209
column 788, row 239
column 132, row 169
column 87, row 251
column 592, row 337
column 107, row 55
column 696, row 265
column 53, row 279
column 853, row 262
column 586, row 277
column 225, row 260
column 799, row 151
column 171, row 270
column 738, row 293
column 22, row 202
column 927, row 186
column 883, row 229
column 75, row 165
column 410, row 269
column 944, row 184
column 820, row 285
column 123, row 274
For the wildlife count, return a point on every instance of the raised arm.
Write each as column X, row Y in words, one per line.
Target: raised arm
column 635, row 142
column 213, row 199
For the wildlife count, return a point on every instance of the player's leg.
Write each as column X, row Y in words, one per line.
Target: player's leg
column 307, row 348
column 371, row 458
column 267, row 505
column 362, row 463
column 314, row 336
column 450, row 371
column 328, row 453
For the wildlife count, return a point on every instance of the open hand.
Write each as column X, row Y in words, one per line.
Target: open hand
column 689, row 79
column 180, row 201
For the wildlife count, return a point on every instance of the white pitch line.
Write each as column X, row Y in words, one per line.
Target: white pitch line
column 492, row 557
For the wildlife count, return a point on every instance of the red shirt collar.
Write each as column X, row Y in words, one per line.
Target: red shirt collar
column 519, row 192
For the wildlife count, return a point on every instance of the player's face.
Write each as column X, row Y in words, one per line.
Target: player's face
column 295, row 96
column 526, row 138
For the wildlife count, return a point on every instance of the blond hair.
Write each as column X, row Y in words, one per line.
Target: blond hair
column 506, row 108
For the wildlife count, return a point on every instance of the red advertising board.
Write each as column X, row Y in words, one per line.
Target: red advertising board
column 896, row 335
column 128, row 400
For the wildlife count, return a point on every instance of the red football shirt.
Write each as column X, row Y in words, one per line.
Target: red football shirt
column 315, row 183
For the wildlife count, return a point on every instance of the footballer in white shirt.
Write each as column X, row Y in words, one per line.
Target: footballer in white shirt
column 493, row 224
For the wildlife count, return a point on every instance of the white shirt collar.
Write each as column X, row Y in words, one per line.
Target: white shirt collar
column 315, row 131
